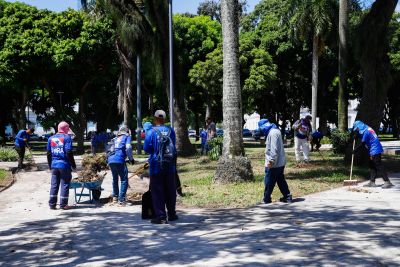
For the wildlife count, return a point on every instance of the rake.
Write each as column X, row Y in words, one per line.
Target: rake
column 351, row 182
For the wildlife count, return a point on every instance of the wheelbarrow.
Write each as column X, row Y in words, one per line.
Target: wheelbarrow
column 93, row 190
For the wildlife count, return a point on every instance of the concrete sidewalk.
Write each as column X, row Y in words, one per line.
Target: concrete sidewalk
column 338, row 227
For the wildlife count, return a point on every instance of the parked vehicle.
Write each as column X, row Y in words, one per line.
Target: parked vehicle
column 46, row 137
column 34, row 137
column 247, row 133
column 192, row 133
column 257, row 134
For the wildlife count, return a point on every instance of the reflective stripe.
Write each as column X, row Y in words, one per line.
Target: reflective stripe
column 64, row 197
column 53, row 195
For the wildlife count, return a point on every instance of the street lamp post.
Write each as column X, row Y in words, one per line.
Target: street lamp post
column 60, row 95
column 139, row 105
column 171, row 66
column 140, row 5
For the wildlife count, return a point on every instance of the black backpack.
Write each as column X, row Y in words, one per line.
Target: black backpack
column 166, row 149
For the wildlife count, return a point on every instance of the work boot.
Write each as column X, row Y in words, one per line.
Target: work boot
column 159, row 221
column 387, row 184
column 115, row 199
column 173, row 218
column 287, row 199
column 371, row 184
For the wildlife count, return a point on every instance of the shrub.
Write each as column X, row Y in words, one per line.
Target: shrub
column 339, row 141
column 8, row 154
column 215, row 146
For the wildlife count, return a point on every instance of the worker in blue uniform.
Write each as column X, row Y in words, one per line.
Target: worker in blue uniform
column 20, row 143
column 370, row 141
column 60, row 159
column 120, row 149
column 160, row 143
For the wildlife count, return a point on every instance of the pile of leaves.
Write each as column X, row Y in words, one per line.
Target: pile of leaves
column 91, row 168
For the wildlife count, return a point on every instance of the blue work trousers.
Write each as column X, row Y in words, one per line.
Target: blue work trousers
column 119, row 170
column 273, row 176
column 163, row 193
column 60, row 178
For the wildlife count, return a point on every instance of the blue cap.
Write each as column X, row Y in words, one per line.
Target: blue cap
column 265, row 126
column 147, row 126
column 360, row 127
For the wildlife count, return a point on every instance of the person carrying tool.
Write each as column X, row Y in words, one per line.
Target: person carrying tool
column 60, row 159
column 20, row 143
column 302, row 130
column 316, row 138
column 119, row 149
column 275, row 162
column 160, row 144
column 370, row 141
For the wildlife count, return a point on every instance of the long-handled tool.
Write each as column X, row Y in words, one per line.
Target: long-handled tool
column 351, row 181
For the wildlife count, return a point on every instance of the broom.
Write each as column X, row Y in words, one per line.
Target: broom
column 351, row 181
column 139, row 171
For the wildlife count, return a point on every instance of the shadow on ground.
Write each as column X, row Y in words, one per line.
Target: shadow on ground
column 273, row 234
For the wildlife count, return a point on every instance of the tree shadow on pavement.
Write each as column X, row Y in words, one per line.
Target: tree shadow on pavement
column 277, row 234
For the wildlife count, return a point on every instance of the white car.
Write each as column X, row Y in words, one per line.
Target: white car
column 192, row 133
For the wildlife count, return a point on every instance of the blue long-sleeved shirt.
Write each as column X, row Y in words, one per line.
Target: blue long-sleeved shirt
column 370, row 138
column 123, row 149
column 151, row 147
column 19, row 138
column 60, row 145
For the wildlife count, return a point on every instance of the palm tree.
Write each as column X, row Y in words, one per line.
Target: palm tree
column 134, row 34
column 232, row 166
column 315, row 18
column 343, row 32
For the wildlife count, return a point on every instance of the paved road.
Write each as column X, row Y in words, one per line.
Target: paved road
column 332, row 228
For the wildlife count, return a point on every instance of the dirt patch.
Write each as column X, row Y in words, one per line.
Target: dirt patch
column 6, row 180
column 359, row 190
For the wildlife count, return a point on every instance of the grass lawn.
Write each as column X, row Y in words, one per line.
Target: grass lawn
column 323, row 173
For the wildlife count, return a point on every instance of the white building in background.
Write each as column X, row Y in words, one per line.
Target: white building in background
column 39, row 130
column 251, row 121
column 352, row 112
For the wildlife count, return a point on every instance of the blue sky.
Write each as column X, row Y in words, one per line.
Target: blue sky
column 180, row 6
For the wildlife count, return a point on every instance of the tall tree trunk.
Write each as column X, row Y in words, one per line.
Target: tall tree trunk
column 208, row 110
column 373, row 47
column 183, row 145
column 342, row 98
column 197, row 125
column 232, row 166
column 314, row 85
column 80, row 130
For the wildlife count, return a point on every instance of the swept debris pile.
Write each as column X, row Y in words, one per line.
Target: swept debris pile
column 91, row 168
